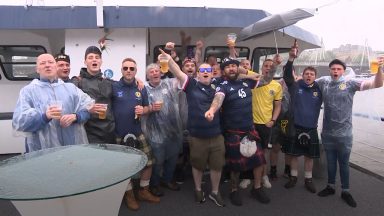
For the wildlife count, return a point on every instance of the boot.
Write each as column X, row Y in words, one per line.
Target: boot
column 130, row 200
column 291, row 183
column 145, row 195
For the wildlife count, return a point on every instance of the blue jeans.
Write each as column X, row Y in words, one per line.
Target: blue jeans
column 338, row 149
column 165, row 161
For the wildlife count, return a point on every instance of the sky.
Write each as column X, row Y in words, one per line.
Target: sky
column 337, row 22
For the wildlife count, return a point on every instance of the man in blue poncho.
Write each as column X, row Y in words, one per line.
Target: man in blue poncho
column 50, row 111
column 338, row 93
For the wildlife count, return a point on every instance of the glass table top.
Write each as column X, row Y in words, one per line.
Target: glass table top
column 67, row 170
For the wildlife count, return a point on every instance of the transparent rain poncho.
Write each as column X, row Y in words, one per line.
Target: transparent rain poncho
column 32, row 104
column 166, row 124
column 338, row 102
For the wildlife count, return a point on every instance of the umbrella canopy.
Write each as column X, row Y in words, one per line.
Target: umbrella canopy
column 274, row 22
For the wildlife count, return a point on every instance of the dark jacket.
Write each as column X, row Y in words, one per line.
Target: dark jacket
column 100, row 89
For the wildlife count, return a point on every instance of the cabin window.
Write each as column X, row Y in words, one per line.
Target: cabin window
column 190, row 51
column 19, row 62
column 222, row 52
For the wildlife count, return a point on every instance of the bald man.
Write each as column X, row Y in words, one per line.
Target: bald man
column 49, row 111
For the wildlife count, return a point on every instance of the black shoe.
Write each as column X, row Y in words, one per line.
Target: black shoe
column 236, row 198
column 171, row 186
column 217, row 199
column 309, row 185
column 326, row 191
column 156, row 190
column 199, row 196
column 291, row 183
column 347, row 197
column 260, row 195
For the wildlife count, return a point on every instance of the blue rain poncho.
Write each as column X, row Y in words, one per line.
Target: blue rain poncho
column 338, row 102
column 41, row 133
column 165, row 125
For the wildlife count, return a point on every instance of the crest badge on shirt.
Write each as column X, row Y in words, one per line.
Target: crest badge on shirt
column 342, row 86
column 271, row 92
column 315, row 94
column 138, row 94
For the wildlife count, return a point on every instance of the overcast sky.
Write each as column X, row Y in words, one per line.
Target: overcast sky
column 341, row 22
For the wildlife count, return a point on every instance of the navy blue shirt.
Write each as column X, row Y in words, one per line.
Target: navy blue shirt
column 200, row 97
column 125, row 96
column 237, row 105
column 306, row 99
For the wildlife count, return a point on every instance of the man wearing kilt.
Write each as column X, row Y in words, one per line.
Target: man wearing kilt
column 235, row 97
column 306, row 100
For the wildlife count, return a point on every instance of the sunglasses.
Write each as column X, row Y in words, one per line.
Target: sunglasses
column 202, row 70
column 130, row 68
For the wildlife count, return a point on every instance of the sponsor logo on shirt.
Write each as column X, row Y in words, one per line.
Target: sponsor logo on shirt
column 213, row 86
column 231, row 89
column 120, row 94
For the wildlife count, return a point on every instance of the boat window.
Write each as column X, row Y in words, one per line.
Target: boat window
column 18, row 62
column 179, row 50
column 222, row 52
column 262, row 53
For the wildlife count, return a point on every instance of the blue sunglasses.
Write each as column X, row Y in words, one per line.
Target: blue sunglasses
column 208, row 70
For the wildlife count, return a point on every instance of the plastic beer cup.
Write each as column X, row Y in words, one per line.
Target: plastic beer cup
column 59, row 106
column 374, row 66
column 103, row 112
column 232, row 38
column 163, row 64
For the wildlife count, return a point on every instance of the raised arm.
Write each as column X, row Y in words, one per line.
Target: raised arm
column 174, row 67
column 288, row 69
column 216, row 104
column 377, row 82
column 199, row 52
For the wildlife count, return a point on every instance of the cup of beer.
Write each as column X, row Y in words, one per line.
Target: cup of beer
column 374, row 66
column 58, row 105
column 232, row 38
column 103, row 111
column 163, row 64
column 160, row 103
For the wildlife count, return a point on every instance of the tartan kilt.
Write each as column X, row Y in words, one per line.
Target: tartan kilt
column 291, row 146
column 234, row 159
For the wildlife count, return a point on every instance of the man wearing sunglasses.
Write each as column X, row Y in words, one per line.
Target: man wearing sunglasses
column 129, row 104
column 235, row 98
column 206, row 142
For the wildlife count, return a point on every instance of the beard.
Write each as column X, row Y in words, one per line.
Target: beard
column 233, row 77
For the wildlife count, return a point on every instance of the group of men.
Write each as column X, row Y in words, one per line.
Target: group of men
column 231, row 115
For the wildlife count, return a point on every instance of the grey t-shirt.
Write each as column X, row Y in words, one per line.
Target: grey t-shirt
column 338, row 102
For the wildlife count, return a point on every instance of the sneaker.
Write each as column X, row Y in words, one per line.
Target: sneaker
column 199, row 196
column 309, row 185
column 326, row 191
column 145, row 195
column 156, row 190
column 245, row 183
column 235, row 198
column 216, row 198
column 260, row 195
column 171, row 185
column 130, row 200
column 287, row 171
column 291, row 183
column 265, row 182
column 273, row 174
column 347, row 197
